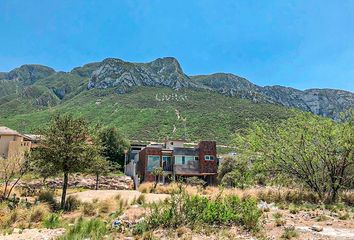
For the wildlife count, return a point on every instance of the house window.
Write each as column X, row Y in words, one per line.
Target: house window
column 196, row 158
column 182, row 159
column 166, row 160
column 153, row 162
column 208, row 157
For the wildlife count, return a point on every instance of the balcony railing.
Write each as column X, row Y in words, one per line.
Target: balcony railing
column 189, row 168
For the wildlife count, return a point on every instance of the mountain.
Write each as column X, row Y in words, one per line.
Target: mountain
column 161, row 72
column 155, row 100
column 28, row 74
column 324, row 102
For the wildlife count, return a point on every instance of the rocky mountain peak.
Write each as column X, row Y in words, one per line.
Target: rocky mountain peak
column 167, row 64
column 117, row 73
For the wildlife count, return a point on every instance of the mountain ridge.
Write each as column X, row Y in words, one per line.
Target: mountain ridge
column 120, row 75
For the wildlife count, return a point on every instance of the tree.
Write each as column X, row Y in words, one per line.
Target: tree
column 65, row 147
column 157, row 173
column 236, row 172
column 43, row 168
column 114, row 145
column 311, row 150
column 99, row 167
column 12, row 168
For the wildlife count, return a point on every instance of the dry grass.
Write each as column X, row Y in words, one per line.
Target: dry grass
column 22, row 217
column 106, row 206
column 88, row 209
column 268, row 194
column 348, row 198
column 39, row 212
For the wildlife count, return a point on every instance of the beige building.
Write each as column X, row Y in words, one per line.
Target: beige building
column 12, row 143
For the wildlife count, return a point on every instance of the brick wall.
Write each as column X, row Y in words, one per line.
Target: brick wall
column 143, row 160
column 207, row 148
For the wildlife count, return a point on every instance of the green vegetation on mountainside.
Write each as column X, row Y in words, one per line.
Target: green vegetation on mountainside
column 147, row 113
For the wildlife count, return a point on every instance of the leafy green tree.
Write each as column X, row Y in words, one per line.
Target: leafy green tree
column 236, row 172
column 157, row 173
column 100, row 166
column 114, row 145
column 66, row 147
column 43, row 168
column 314, row 151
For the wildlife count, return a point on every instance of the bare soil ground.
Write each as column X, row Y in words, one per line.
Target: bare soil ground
column 34, row 234
column 332, row 228
column 128, row 195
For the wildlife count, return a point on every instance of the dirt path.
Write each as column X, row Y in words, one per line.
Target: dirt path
column 128, row 195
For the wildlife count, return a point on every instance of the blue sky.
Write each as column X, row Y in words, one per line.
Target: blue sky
column 301, row 44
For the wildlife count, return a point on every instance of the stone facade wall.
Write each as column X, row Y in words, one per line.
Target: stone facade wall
column 207, row 148
column 88, row 182
column 143, row 161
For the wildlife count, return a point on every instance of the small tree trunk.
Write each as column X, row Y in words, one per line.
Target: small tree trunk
column 97, row 181
column 334, row 196
column 155, row 185
column 65, row 187
column 5, row 190
column 12, row 187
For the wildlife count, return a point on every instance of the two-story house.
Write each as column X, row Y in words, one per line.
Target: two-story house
column 178, row 161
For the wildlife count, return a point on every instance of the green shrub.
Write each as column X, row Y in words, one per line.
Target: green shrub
column 47, row 197
column 86, row 229
column 322, row 218
column 289, row 233
column 293, row 209
column 104, row 206
column 72, row 203
column 88, row 209
column 348, row 198
column 52, row 221
column 250, row 214
column 141, row 199
column 140, row 228
column 344, row 216
column 287, row 196
column 185, row 210
column 195, row 181
column 38, row 213
column 279, row 221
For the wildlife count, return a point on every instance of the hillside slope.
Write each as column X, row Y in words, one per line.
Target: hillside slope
column 155, row 100
column 156, row 113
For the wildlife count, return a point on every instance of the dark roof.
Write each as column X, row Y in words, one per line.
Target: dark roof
column 185, row 151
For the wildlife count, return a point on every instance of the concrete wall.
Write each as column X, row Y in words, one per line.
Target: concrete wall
column 12, row 146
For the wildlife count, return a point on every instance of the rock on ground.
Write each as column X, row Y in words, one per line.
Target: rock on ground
column 79, row 181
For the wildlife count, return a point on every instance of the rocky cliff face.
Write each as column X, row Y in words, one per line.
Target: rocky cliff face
column 161, row 72
column 324, row 102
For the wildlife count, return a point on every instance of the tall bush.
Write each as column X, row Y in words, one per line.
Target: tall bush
column 311, row 150
column 185, row 210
